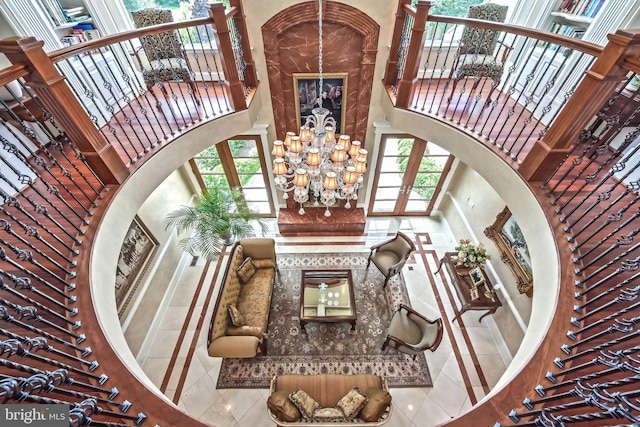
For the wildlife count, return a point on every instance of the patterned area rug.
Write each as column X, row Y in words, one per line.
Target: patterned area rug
column 329, row 347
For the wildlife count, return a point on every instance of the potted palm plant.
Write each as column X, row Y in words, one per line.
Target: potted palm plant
column 218, row 218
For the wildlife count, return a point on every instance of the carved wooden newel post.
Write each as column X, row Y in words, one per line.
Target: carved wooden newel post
column 55, row 95
column 596, row 88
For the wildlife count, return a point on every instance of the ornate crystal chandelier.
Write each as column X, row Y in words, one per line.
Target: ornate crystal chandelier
column 315, row 166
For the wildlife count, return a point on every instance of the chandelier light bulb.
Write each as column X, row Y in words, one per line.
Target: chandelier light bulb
column 305, row 134
column 279, row 166
column 355, row 148
column 296, row 145
column 313, row 157
column 361, row 164
column 339, row 154
column 278, row 148
column 301, row 179
column 345, row 141
column 330, row 181
column 329, row 133
column 350, row 175
column 287, row 138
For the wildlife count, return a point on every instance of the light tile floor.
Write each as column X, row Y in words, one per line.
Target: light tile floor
column 413, row 407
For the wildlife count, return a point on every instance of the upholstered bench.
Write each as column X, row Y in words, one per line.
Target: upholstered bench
column 329, row 400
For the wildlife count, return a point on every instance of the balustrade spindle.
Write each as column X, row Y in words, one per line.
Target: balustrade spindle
column 403, row 48
column 212, row 77
column 112, row 393
column 620, row 326
column 38, row 208
column 576, row 160
column 26, row 284
column 50, row 382
column 40, row 343
column 27, row 255
column 6, row 226
column 431, row 79
column 576, row 321
column 13, row 202
column 605, row 266
column 28, row 311
column 41, row 162
column 604, row 148
column 625, row 295
column 612, row 360
column 90, row 407
column 4, row 257
column 620, row 241
column 4, row 315
column 618, row 167
column 12, row 347
column 83, row 92
column 132, row 130
column 559, row 362
column 52, row 141
column 616, row 272
column 632, row 187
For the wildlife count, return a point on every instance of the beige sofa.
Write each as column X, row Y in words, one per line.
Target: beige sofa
column 239, row 322
column 329, row 392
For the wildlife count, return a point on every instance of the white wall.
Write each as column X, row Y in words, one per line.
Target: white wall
column 472, row 203
column 141, row 315
column 5, row 32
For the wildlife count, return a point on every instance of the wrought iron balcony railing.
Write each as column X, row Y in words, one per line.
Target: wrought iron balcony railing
column 67, row 146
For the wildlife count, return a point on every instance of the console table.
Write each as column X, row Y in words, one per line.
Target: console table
column 462, row 283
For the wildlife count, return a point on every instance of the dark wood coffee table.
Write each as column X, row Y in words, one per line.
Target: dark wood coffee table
column 339, row 304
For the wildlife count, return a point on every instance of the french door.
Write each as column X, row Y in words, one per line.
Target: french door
column 237, row 163
column 408, row 176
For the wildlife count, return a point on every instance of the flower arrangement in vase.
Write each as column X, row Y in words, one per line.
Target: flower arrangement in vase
column 470, row 255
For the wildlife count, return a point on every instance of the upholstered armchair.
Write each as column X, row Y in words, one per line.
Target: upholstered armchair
column 477, row 54
column 391, row 255
column 411, row 333
column 167, row 61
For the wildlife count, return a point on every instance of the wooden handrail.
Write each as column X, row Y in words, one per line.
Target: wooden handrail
column 56, row 96
column 598, row 85
column 570, row 42
column 12, row 73
column 77, row 49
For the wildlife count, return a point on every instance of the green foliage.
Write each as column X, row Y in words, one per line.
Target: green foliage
column 429, row 172
column 446, row 8
column 452, row 7
column 218, row 218
column 246, row 165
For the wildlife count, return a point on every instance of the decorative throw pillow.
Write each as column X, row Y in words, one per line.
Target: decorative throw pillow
column 237, row 319
column 331, row 415
column 377, row 404
column 280, row 405
column 351, row 403
column 305, row 403
column 263, row 263
column 246, row 270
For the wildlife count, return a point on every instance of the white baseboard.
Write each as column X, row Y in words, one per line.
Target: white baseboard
column 161, row 312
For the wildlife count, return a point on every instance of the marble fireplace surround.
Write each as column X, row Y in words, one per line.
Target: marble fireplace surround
column 350, row 43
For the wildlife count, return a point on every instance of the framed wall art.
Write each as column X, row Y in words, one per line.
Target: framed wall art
column 506, row 234
column 309, row 95
column 477, row 278
column 137, row 250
